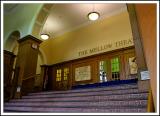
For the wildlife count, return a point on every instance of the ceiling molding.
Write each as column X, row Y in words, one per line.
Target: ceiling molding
column 46, row 10
column 39, row 23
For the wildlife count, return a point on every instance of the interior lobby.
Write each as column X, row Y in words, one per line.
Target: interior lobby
column 81, row 57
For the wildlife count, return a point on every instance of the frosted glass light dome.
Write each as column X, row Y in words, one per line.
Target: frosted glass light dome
column 44, row 36
column 93, row 16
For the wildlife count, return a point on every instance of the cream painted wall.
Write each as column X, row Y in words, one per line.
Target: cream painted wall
column 21, row 18
column 39, row 63
column 67, row 46
column 38, row 70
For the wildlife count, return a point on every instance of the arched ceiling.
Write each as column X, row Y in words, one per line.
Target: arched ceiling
column 67, row 17
column 8, row 8
column 19, row 16
column 55, row 19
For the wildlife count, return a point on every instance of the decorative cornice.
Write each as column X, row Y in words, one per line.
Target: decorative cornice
column 29, row 37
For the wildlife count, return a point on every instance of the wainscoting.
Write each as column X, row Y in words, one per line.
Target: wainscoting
column 109, row 66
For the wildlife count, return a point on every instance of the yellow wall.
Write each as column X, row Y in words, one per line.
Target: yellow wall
column 108, row 30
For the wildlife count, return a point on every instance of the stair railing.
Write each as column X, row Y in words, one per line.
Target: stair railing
column 150, row 104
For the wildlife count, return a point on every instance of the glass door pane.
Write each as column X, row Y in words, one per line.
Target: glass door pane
column 103, row 71
column 58, row 75
column 66, row 74
column 65, row 78
column 115, row 68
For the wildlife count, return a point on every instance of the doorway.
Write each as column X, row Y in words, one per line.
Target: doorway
column 62, row 78
column 120, row 65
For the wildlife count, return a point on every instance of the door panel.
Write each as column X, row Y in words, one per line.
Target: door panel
column 62, row 77
column 117, row 66
column 65, row 77
column 104, row 70
column 130, row 65
column 58, row 78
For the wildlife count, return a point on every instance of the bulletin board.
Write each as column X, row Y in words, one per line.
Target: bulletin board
column 83, row 73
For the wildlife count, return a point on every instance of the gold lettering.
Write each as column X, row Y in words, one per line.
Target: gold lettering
column 86, row 52
column 130, row 41
column 116, row 43
column 101, row 48
column 125, row 42
column 121, row 43
column 106, row 46
column 98, row 49
column 92, row 50
column 81, row 53
column 109, row 45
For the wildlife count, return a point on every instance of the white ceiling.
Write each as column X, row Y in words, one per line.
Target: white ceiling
column 67, row 17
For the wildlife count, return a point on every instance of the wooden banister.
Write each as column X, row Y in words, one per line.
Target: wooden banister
column 29, row 77
column 150, row 104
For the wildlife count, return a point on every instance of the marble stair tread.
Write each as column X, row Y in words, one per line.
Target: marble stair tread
column 87, row 98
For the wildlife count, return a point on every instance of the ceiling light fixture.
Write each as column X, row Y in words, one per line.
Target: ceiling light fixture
column 44, row 36
column 93, row 15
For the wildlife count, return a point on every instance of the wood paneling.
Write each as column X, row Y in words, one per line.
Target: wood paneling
column 59, row 85
column 8, row 70
column 92, row 61
column 27, row 62
column 137, row 38
column 127, row 54
column 143, row 22
column 150, row 106
column 146, row 17
column 44, row 77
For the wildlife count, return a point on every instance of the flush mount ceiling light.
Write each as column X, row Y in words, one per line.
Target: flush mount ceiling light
column 44, row 36
column 93, row 15
column 45, row 33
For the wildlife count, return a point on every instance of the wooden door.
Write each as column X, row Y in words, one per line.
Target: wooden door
column 111, row 67
column 62, row 77
column 104, row 70
column 115, row 67
column 130, row 64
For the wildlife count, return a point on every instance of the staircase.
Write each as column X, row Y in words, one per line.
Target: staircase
column 115, row 98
